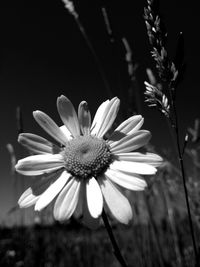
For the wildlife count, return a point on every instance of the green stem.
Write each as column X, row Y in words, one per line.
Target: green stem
column 116, row 249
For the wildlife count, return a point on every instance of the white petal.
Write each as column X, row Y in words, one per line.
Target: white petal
column 109, row 117
column 67, row 200
column 100, row 111
column 39, row 164
column 36, row 144
column 133, row 167
column 130, row 142
column 52, row 191
column 88, row 220
column 129, row 126
column 49, row 126
column 126, row 180
column 149, row 158
column 84, row 117
column 94, row 198
column 66, row 132
column 27, row 199
column 68, row 115
column 117, row 203
column 79, row 208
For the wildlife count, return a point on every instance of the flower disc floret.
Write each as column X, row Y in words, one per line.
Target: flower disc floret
column 86, row 156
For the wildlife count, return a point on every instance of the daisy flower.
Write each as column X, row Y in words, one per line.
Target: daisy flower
column 82, row 171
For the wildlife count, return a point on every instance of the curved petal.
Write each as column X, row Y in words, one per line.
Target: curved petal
column 27, row 199
column 101, row 109
column 49, row 126
column 67, row 200
column 106, row 118
column 52, row 191
column 148, row 158
column 117, row 203
column 126, row 180
column 39, row 164
column 94, row 198
column 68, row 115
column 128, row 126
column 110, row 116
column 84, row 117
column 133, row 167
column 134, row 123
column 36, row 144
column 130, row 142
column 66, row 132
column 79, row 208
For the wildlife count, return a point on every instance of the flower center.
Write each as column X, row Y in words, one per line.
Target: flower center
column 86, row 156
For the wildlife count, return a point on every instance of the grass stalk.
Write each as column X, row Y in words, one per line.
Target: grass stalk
column 171, row 73
column 175, row 127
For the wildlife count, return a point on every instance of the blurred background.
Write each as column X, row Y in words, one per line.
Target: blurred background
column 43, row 54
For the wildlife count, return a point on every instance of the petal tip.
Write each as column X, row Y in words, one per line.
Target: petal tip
column 38, row 207
column 36, row 112
column 62, row 98
column 20, row 138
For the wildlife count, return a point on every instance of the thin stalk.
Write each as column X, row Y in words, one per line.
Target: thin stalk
column 115, row 246
column 181, row 163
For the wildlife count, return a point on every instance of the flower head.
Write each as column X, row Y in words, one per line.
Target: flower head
column 82, row 170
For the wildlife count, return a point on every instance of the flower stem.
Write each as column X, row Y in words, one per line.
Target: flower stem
column 116, row 249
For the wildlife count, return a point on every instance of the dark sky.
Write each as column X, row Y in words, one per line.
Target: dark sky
column 44, row 55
